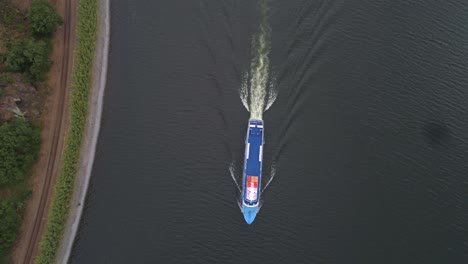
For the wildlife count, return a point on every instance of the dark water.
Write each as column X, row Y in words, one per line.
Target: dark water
column 369, row 133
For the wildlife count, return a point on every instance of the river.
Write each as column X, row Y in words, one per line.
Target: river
column 368, row 135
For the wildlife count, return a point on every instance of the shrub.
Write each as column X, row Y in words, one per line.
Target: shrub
column 44, row 18
column 11, row 210
column 9, row 224
column 18, row 57
column 41, row 63
column 26, row 55
column 5, row 78
column 10, row 15
column 19, row 144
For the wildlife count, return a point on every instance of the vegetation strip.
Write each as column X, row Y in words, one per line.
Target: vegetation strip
column 91, row 133
column 81, row 79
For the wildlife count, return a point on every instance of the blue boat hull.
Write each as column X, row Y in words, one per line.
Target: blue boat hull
column 252, row 175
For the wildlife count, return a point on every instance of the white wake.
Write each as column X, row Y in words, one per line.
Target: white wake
column 257, row 91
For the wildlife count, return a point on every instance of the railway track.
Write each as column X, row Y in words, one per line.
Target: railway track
column 55, row 148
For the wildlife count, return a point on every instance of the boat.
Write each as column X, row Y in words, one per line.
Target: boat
column 252, row 175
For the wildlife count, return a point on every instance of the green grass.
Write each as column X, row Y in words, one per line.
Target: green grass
column 84, row 56
column 11, row 17
column 5, row 260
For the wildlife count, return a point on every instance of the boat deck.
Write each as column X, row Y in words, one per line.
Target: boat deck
column 255, row 142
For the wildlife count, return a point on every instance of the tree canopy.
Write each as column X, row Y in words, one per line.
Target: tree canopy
column 27, row 55
column 19, row 144
column 44, row 18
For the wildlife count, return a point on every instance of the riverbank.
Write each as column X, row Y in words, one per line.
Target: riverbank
column 88, row 148
column 81, row 80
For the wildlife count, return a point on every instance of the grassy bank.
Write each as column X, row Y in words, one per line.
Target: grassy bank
column 81, row 80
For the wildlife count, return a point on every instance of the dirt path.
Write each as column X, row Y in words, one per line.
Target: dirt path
column 55, row 125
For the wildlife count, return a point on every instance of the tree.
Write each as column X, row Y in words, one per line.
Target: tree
column 19, row 144
column 26, row 55
column 9, row 224
column 40, row 62
column 44, row 17
column 19, row 50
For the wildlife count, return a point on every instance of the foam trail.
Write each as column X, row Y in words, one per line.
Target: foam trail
column 272, row 95
column 260, row 66
column 232, row 170
column 257, row 88
column 272, row 175
column 244, row 92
